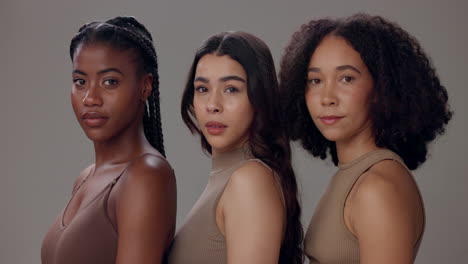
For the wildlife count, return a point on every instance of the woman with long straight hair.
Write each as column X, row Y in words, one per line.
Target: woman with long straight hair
column 248, row 212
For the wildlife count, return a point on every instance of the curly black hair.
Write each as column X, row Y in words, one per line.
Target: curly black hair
column 409, row 106
column 267, row 140
column 127, row 33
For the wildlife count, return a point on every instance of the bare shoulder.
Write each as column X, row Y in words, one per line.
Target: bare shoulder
column 83, row 174
column 251, row 176
column 253, row 215
column 387, row 178
column 253, row 183
column 148, row 181
column 150, row 168
column 386, row 198
column 145, row 210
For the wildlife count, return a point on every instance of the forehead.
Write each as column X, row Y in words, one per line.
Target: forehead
column 333, row 50
column 103, row 55
column 211, row 65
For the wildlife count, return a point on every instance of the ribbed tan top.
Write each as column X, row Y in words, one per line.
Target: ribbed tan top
column 199, row 240
column 328, row 240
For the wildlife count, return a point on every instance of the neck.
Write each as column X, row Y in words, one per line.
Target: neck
column 121, row 148
column 225, row 159
column 219, row 151
column 355, row 147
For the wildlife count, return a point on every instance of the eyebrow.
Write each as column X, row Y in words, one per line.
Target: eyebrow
column 79, row 72
column 232, row 77
column 348, row 67
column 223, row 79
column 101, row 71
column 339, row 68
column 201, row 79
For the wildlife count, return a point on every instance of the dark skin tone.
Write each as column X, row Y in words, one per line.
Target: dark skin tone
column 108, row 97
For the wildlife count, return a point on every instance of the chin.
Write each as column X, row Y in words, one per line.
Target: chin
column 218, row 146
column 333, row 136
column 97, row 136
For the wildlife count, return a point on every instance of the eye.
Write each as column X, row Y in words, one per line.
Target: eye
column 201, row 89
column 78, row 82
column 231, row 89
column 314, row 81
column 110, row 82
column 347, row 79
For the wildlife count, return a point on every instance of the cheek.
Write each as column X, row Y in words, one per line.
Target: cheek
column 76, row 101
column 358, row 101
column 313, row 102
column 243, row 112
column 198, row 108
column 128, row 99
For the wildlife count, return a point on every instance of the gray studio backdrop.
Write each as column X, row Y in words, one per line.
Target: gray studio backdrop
column 43, row 147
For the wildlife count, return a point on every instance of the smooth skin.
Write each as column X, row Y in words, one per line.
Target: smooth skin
column 250, row 213
column 384, row 208
column 109, row 82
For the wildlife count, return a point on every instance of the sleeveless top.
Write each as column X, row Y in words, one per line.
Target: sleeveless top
column 328, row 240
column 199, row 241
column 90, row 237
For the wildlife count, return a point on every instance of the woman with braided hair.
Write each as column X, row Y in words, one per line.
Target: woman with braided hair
column 123, row 207
column 362, row 91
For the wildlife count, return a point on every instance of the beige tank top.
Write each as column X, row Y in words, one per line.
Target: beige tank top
column 328, row 240
column 199, row 241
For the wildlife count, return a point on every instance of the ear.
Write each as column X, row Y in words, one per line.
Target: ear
column 147, row 86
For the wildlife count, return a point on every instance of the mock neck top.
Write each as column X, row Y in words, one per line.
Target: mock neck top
column 199, row 239
column 225, row 160
column 328, row 239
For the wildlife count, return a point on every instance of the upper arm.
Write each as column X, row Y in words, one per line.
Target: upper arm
column 146, row 211
column 386, row 215
column 254, row 216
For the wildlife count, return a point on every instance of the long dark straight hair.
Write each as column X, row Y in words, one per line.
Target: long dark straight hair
column 127, row 33
column 267, row 138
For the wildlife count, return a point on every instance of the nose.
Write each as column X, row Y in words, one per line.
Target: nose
column 92, row 96
column 328, row 95
column 214, row 104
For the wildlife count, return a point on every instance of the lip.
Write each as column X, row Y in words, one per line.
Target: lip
column 94, row 119
column 330, row 120
column 215, row 128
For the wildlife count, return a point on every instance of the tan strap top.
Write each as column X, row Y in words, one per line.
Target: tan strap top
column 328, row 240
column 90, row 237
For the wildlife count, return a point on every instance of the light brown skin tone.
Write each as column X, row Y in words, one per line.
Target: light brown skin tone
column 107, row 82
column 384, row 209
column 250, row 212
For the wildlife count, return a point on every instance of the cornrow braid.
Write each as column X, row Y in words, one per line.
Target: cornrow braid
column 127, row 32
column 152, row 117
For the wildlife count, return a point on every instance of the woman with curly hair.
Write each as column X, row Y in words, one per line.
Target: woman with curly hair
column 249, row 211
column 123, row 207
column 363, row 91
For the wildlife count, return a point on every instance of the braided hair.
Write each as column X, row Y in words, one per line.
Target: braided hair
column 126, row 33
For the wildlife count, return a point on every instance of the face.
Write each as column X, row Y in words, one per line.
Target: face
column 338, row 91
column 108, row 94
column 222, row 107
